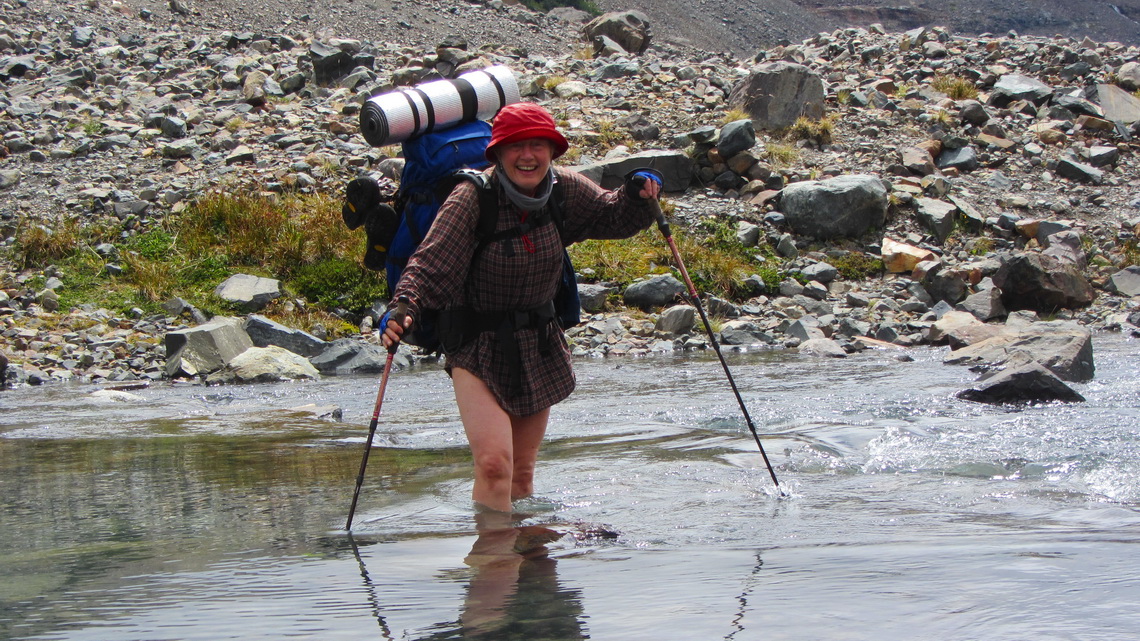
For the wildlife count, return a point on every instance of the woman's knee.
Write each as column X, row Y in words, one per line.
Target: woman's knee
column 494, row 466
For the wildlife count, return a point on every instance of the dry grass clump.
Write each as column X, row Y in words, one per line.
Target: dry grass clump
column 781, row 154
column 733, row 115
column 820, row 131
column 955, row 87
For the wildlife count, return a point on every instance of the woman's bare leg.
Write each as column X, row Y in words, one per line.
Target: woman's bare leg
column 505, row 447
column 527, row 433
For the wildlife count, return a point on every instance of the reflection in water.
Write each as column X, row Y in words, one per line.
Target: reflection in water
column 750, row 586
column 373, row 601
column 513, row 591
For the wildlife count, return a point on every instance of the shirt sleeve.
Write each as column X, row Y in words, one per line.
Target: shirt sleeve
column 593, row 212
column 436, row 273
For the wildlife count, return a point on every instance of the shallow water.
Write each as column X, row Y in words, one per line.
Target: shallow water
column 214, row 513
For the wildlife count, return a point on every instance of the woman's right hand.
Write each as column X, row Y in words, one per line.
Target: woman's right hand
column 394, row 331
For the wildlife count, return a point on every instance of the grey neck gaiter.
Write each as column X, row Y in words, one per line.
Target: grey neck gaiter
column 521, row 200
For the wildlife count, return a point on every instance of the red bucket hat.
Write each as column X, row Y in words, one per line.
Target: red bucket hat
column 523, row 120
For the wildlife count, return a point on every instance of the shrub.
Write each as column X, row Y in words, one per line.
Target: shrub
column 156, row 243
column 858, row 266
column 980, row 246
column 338, row 282
column 715, row 260
column 153, row 278
column 609, row 134
column 584, row 53
column 277, row 234
column 38, row 245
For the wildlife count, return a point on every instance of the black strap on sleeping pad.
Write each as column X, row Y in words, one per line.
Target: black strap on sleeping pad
column 429, row 108
column 415, row 111
column 498, row 89
column 468, row 99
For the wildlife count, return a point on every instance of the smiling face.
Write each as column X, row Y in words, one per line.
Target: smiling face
column 527, row 162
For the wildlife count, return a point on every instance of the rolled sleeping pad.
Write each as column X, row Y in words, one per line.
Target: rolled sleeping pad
column 398, row 115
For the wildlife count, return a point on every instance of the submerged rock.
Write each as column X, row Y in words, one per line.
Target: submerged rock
column 1026, row 383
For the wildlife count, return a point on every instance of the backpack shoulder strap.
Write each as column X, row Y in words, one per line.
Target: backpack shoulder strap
column 557, row 204
column 488, row 202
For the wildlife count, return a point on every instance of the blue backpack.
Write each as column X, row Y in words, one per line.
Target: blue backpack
column 434, row 165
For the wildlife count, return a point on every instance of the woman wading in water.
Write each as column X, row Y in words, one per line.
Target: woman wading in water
column 508, row 357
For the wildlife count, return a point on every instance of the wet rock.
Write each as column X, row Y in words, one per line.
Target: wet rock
column 116, row 396
column 677, row 320
column 822, row 347
column 1026, row 383
column 805, row 328
column 1064, row 348
column 743, row 332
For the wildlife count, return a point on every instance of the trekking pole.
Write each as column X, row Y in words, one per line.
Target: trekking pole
column 663, row 226
column 401, row 311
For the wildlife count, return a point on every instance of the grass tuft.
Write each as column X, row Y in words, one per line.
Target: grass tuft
column 733, row 115
column 781, row 154
column 804, row 128
column 955, row 87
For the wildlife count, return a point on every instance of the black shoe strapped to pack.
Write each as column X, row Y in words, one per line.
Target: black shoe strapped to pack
column 362, row 206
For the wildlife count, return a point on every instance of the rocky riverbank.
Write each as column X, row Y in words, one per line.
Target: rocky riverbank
column 126, row 120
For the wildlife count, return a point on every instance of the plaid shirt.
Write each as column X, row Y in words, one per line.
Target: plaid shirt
column 513, row 274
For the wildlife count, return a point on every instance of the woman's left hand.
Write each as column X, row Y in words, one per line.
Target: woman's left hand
column 650, row 190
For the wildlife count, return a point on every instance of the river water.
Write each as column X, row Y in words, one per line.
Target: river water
column 216, row 513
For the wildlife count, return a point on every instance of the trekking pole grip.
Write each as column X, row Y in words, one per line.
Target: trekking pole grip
column 401, row 313
column 662, row 224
